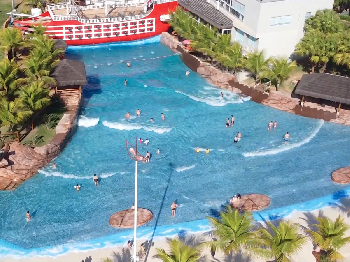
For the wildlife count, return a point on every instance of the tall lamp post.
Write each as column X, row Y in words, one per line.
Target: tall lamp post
column 134, row 155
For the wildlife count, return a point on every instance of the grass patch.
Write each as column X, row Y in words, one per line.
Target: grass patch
column 296, row 75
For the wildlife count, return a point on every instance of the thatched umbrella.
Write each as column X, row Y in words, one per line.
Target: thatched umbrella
column 60, row 44
column 69, row 73
column 251, row 202
column 125, row 218
column 341, row 175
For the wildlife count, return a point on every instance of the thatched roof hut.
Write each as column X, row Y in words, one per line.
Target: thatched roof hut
column 325, row 86
column 60, row 44
column 69, row 73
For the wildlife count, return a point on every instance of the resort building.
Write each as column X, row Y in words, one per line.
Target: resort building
column 275, row 26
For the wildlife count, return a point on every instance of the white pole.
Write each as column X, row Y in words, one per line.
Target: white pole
column 135, row 212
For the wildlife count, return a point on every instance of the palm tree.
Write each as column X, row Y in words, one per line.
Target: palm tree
column 8, row 77
column 280, row 70
column 232, row 57
column 46, row 45
column 257, row 65
column 283, row 242
column 39, row 30
column 39, row 65
column 179, row 252
column 234, row 231
column 35, row 97
column 12, row 113
column 11, row 40
column 330, row 237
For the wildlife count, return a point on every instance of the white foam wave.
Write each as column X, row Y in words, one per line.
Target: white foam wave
column 245, row 98
column 213, row 100
column 286, row 147
column 87, row 122
column 129, row 127
column 69, row 176
column 184, row 168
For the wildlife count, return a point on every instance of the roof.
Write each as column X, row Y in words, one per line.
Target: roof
column 60, row 44
column 69, row 72
column 325, row 86
column 207, row 12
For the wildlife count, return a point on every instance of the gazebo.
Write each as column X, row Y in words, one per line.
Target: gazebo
column 324, row 87
column 60, row 44
column 69, row 74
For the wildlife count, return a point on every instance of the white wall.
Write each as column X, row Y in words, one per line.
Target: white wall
column 280, row 40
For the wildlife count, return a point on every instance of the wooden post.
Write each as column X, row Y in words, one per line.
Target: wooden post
column 302, row 99
column 338, row 111
column 80, row 89
column 17, row 136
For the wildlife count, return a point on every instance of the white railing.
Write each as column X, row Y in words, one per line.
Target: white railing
column 103, row 30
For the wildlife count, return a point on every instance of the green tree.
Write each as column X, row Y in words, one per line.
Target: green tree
column 281, row 243
column 340, row 5
column 12, row 113
column 8, row 78
column 11, row 40
column 329, row 236
column 232, row 57
column 257, row 65
column 343, row 53
column 39, row 30
column 279, row 70
column 234, row 231
column 46, row 45
column 35, row 97
column 179, row 252
column 324, row 21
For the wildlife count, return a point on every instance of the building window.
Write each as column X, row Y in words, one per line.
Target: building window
column 281, row 20
column 307, row 15
column 251, row 42
column 234, row 7
column 239, row 36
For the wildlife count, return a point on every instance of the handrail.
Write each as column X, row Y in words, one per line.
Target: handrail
column 9, row 134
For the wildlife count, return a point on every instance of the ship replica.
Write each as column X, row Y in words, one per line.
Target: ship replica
column 94, row 22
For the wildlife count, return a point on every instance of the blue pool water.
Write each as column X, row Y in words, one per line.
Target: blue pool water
column 195, row 117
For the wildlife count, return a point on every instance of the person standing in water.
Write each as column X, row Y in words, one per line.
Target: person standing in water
column 163, row 116
column 222, row 94
column 270, row 125
column 187, row 72
column 147, row 157
column 127, row 115
column 125, row 82
column 275, row 125
column 286, row 137
column 28, row 216
column 77, row 187
column 128, row 64
column 95, row 179
column 138, row 112
column 232, row 120
column 227, row 122
column 151, row 120
column 173, row 209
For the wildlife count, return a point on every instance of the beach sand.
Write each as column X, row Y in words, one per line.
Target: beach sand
column 122, row 254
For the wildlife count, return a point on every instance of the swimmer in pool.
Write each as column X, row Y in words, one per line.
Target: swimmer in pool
column 151, row 120
column 54, row 165
column 140, row 140
column 239, row 135
column 227, row 122
column 127, row 115
column 173, row 209
column 128, row 64
column 77, row 187
column 286, row 137
column 163, row 117
column 125, row 82
column 138, row 112
column 197, row 150
column 187, row 72
column 222, row 94
column 232, row 120
column 28, row 216
column 95, row 178
column 146, row 142
column 147, row 157
column 275, row 125
column 270, row 125
column 158, row 151
column 207, row 151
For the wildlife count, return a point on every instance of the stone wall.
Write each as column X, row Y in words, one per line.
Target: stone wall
column 26, row 161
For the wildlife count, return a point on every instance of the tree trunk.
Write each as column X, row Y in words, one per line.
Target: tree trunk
column 313, row 69
column 13, row 53
column 323, row 67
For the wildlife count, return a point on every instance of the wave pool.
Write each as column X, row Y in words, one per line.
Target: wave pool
column 290, row 174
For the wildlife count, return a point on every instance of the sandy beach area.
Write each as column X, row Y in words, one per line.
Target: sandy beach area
column 122, row 253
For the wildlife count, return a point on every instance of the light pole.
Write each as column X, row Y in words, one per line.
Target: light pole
column 134, row 155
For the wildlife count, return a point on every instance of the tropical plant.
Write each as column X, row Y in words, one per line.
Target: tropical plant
column 279, row 243
column 341, row 5
column 329, row 236
column 179, row 252
column 12, row 113
column 34, row 3
column 324, row 21
column 279, row 70
column 257, row 65
column 11, row 40
column 46, row 45
column 234, row 231
column 39, row 30
column 39, row 65
column 35, row 97
column 232, row 57
column 8, row 77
